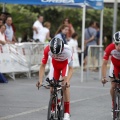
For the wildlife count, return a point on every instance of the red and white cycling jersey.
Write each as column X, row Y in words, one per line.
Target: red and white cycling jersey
column 111, row 50
column 65, row 55
column 60, row 62
column 115, row 57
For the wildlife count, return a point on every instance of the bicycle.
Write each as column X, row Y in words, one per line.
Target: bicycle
column 116, row 107
column 55, row 112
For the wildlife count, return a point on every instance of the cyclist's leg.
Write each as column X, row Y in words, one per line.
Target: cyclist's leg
column 66, row 94
column 66, row 73
column 112, row 92
column 51, row 70
column 112, row 83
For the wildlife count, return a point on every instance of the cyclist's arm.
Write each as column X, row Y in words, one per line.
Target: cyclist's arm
column 41, row 72
column 104, row 68
column 43, row 64
column 106, row 56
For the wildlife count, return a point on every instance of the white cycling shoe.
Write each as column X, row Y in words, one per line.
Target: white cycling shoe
column 66, row 116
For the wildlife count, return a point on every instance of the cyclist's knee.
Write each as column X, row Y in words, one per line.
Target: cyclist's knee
column 113, row 85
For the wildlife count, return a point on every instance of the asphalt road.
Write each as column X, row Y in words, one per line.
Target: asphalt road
column 21, row 100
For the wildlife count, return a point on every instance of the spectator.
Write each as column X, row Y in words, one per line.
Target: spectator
column 37, row 28
column 1, row 22
column 9, row 30
column 73, row 43
column 45, row 33
column 90, row 35
column 3, row 16
column 25, row 37
column 66, row 21
column 2, row 34
column 97, row 27
column 62, row 32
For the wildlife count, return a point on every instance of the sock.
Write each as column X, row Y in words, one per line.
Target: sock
column 67, row 107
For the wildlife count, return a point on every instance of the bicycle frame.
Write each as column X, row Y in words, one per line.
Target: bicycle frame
column 58, row 105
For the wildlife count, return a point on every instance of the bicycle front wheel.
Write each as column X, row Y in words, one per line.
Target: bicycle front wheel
column 50, row 114
column 116, row 108
column 61, row 107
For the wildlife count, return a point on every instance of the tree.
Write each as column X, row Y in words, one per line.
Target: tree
column 24, row 16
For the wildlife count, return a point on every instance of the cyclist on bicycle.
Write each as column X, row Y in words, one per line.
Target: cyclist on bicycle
column 63, row 65
column 112, row 50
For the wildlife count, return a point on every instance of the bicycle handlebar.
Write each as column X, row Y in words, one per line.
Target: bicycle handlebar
column 116, row 81
column 54, row 83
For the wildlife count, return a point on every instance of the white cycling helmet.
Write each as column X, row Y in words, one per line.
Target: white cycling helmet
column 116, row 37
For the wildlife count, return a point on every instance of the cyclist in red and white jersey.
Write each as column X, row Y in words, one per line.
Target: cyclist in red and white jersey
column 63, row 65
column 112, row 50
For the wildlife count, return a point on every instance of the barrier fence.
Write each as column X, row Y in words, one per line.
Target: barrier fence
column 94, row 61
column 25, row 58
column 20, row 57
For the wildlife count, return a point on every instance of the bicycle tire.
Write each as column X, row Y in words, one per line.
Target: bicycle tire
column 118, row 113
column 116, row 106
column 61, row 107
column 49, row 115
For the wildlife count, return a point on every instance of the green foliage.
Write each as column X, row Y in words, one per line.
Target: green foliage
column 24, row 17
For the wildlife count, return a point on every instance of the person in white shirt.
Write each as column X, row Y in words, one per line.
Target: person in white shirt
column 2, row 34
column 9, row 32
column 73, row 43
column 37, row 28
column 45, row 33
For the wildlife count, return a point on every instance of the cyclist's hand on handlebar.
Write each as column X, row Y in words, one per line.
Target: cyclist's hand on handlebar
column 104, row 80
column 38, row 84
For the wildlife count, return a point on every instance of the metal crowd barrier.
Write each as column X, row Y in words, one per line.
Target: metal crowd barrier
column 21, row 58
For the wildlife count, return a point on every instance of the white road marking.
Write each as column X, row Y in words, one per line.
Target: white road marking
column 23, row 113
column 45, row 107
column 86, row 87
column 89, row 98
